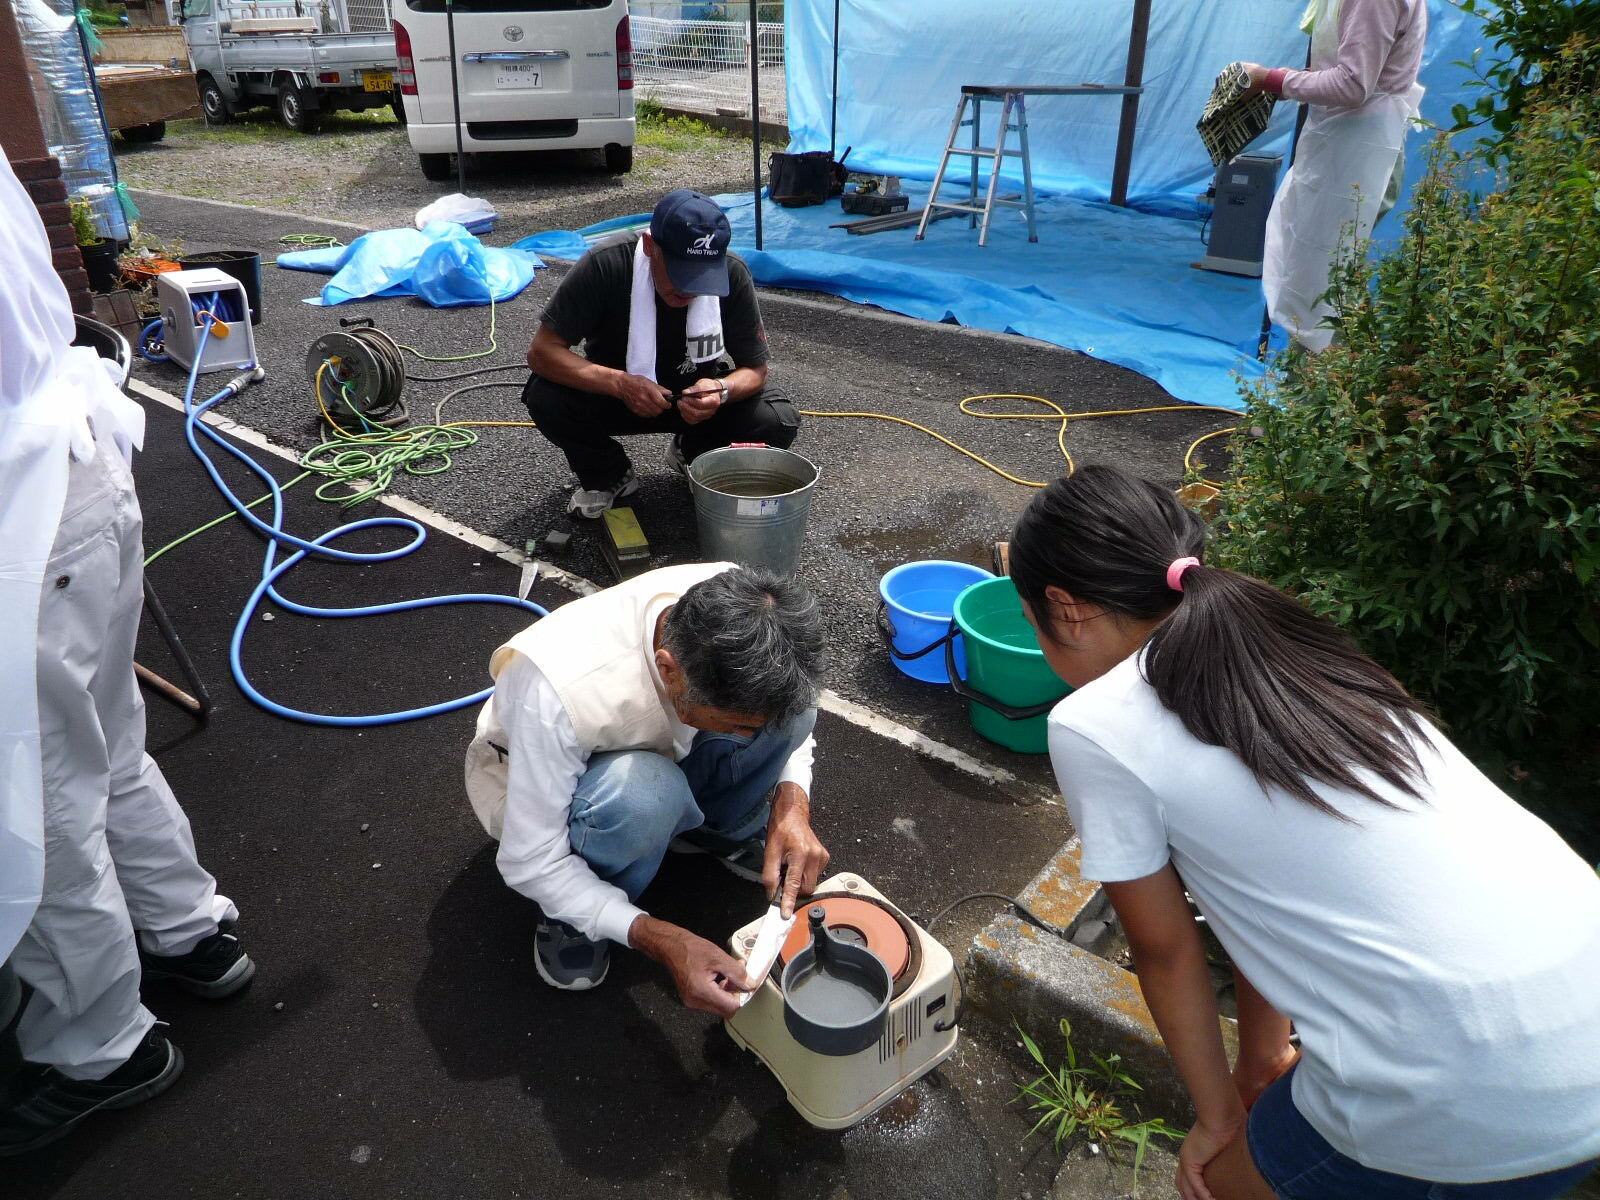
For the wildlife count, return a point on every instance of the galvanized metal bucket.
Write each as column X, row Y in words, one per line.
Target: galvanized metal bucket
column 750, row 503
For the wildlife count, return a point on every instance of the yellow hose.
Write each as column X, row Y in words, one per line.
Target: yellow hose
column 1056, row 413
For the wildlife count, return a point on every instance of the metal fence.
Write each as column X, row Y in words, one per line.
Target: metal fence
column 703, row 64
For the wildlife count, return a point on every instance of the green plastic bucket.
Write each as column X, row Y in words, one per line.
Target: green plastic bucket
column 1010, row 688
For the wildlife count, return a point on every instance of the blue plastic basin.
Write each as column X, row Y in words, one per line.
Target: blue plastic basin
column 918, row 601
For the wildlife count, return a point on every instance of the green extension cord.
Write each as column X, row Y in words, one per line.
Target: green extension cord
column 176, row 542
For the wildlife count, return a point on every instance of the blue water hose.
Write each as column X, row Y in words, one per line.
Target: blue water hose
column 272, row 570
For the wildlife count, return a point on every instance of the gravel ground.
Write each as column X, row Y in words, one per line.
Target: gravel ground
column 361, row 168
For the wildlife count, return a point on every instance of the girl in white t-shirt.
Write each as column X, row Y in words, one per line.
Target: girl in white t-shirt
column 1436, row 947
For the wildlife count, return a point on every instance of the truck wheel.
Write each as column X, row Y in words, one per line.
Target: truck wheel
column 213, row 104
column 435, row 167
column 152, row 132
column 397, row 107
column 619, row 159
column 295, row 111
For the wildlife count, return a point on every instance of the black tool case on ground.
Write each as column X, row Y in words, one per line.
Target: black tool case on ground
column 873, row 204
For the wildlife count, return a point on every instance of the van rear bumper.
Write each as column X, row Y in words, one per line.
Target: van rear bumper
column 591, row 134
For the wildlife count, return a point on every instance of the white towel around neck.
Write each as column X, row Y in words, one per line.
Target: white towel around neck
column 704, row 322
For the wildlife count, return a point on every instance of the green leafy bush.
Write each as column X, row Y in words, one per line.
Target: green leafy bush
column 1529, row 38
column 1433, row 480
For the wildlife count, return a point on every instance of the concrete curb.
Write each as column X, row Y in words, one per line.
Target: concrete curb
column 1020, row 973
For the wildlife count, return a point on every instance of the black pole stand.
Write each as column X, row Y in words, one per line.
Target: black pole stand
column 755, row 108
column 1133, row 77
column 833, row 113
column 455, row 95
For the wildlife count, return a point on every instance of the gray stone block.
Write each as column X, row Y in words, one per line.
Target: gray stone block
column 1019, row 973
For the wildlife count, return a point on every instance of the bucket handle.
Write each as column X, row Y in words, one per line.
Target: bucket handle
column 886, row 631
column 967, row 692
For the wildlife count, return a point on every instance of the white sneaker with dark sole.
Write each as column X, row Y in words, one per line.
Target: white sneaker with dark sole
column 590, row 503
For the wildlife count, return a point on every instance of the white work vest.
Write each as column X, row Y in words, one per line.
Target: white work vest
column 49, row 391
column 596, row 653
column 1343, row 163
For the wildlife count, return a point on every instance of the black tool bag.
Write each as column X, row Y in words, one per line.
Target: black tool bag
column 797, row 180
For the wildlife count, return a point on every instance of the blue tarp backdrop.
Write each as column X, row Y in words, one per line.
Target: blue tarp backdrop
column 902, row 64
column 1114, row 283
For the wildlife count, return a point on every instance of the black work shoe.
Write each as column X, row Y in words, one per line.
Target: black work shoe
column 42, row 1104
column 216, row 967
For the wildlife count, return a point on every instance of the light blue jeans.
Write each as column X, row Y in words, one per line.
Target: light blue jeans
column 629, row 804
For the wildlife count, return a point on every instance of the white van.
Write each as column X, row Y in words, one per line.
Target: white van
column 533, row 74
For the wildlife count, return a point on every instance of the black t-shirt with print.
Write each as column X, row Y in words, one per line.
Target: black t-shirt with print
column 591, row 306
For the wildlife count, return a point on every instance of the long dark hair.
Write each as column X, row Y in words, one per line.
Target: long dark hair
column 1242, row 665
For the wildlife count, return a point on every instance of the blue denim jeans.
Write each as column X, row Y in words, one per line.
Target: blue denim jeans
column 1298, row 1164
column 629, row 804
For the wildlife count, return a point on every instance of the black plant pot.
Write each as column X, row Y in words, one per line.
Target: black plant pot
column 100, row 261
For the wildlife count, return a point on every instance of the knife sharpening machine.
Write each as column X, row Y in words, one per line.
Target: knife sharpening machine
column 919, row 1029
column 185, row 297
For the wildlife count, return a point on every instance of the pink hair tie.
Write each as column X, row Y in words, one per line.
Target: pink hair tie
column 1176, row 570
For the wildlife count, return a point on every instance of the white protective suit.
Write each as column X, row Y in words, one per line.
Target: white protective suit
column 89, row 830
column 1344, row 161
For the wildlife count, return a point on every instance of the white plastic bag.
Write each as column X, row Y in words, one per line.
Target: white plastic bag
column 463, row 210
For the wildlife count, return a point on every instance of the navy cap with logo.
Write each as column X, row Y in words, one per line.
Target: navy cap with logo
column 693, row 234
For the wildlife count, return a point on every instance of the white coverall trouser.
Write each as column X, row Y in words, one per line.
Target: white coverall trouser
column 119, row 855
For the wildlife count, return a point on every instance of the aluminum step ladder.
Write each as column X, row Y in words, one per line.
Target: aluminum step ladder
column 1013, row 119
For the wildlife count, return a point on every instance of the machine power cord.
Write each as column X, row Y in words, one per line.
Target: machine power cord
column 272, row 570
column 1022, row 910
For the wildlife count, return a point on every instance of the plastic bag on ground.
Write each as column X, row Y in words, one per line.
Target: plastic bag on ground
column 477, row 215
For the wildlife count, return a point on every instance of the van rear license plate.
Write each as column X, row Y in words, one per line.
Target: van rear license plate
column 378, row 81
column 516, row 75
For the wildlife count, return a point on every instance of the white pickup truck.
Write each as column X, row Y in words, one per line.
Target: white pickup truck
column 303, row 57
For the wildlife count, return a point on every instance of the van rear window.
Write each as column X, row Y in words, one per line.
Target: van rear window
column 509, row 6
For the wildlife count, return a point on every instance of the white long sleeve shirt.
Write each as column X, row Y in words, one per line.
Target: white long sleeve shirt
column 544, row 764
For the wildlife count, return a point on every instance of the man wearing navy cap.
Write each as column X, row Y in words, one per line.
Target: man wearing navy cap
column 672, row 343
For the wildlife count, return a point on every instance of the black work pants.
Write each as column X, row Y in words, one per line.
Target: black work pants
column 585, row 426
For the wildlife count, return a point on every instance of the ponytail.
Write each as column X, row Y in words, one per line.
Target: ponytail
column 1241, row 664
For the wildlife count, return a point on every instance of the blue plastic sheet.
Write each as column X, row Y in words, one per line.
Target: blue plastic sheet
column 441, row 264
column 1110, row 282
column 902, row 64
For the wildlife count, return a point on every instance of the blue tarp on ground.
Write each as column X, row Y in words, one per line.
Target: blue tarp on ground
column 1112, row 283
column 441, row 264
column 902, row 64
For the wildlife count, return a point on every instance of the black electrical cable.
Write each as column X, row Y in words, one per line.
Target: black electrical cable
column 961, row 980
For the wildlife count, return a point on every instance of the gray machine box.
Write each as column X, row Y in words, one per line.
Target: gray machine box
column 1242, row 197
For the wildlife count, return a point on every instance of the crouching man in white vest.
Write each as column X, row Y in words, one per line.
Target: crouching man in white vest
column 673, row 709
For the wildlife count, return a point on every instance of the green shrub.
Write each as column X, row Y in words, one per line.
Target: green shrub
column 1433, row 480
column 1529, row 38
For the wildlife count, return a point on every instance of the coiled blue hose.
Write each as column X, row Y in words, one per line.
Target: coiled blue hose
column 272, row 570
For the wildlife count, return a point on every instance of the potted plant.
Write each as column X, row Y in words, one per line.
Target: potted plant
column 99, row 253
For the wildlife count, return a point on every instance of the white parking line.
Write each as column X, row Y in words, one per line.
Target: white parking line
column 829, row 701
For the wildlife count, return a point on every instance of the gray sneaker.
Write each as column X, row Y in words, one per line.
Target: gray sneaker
column 566, row 959
column 675, row 460
column 589, row 503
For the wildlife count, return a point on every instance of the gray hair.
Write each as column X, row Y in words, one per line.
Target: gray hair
column 749, row 641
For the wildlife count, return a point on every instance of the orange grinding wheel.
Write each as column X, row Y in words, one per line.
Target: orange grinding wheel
column 857, row 920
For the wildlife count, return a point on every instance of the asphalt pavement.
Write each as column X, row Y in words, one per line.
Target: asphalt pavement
column 888, row 493
column 396, row 1041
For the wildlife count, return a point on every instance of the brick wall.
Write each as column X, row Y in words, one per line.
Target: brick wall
column 22, row 136
column 42, row 179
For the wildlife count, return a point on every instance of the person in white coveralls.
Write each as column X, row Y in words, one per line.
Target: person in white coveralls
column 93, row 846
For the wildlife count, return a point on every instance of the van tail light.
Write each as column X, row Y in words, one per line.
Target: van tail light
column 406, row 72
column 624, row 56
